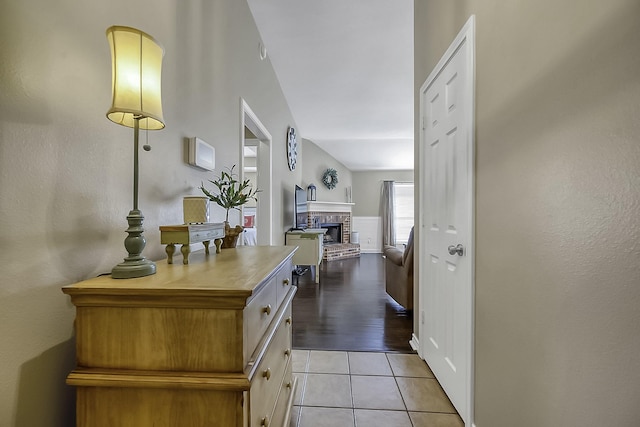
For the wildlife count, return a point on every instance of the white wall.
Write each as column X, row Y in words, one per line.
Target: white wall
column 558, row 207
column 66, row 170
column 369, row 230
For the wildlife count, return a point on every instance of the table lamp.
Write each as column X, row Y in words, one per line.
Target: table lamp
column 136, row 60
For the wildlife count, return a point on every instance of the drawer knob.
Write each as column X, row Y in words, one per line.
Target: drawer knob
column 289, row 385
column 267, row 374
column 265, row 422
column 267, row 309
column 288, row 321
column 287, row 352
column 286, row 282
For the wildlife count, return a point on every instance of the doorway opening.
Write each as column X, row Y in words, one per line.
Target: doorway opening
column 256, row 165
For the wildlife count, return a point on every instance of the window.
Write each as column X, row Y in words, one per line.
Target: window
column 403, row 206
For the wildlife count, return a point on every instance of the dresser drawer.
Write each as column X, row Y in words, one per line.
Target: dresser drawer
column 283, row 281
column 258, row 314
column 285, row 399
column 270, row 373
column 199, row 236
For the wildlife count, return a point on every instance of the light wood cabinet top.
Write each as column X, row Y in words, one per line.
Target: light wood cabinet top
column 228, row 278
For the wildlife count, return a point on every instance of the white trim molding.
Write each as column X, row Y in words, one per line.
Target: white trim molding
column 414, row 342
column 329, row 206
column 369, row 230
column 264, row 222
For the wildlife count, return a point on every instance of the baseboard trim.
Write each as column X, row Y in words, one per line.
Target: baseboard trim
column 414, row 343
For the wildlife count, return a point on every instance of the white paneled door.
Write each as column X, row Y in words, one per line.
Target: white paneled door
column 446, row 220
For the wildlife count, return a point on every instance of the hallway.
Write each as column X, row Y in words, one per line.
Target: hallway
column 352, row 357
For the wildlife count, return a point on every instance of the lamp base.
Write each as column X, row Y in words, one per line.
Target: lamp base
column 130, row 270
column 135, row 265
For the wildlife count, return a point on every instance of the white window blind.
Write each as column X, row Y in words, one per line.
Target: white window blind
column 403, row 205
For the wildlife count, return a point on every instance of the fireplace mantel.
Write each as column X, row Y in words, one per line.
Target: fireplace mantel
column 329, row 206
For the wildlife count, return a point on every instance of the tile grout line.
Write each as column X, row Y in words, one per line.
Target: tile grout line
column 350, row 375
column 393, row 372
column 353, row 409
column 304, row 386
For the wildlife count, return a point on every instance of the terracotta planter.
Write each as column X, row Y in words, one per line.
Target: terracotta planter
column 231, row 236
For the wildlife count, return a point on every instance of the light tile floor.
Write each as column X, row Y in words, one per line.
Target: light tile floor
column 357, row 389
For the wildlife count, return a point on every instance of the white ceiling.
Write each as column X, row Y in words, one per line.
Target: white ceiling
column 346, row 70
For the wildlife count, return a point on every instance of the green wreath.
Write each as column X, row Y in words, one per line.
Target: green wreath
column 330, row 178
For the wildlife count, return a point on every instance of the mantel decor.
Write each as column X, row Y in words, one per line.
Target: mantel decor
column 231, row 195
column 330, row 178
column 136, row 103
column 311, row 193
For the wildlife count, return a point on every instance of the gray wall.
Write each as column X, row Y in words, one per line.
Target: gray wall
column 66, row 170
column 314, row 161
column 558, row 206
column 367, row 187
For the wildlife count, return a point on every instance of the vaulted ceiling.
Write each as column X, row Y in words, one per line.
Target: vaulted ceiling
column 346, row 70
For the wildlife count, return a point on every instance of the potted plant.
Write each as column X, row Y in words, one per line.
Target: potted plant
column 231, row 194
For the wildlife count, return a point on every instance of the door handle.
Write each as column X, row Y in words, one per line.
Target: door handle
column 456, row 250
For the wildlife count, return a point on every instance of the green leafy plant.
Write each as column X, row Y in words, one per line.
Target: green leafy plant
column 231, row 192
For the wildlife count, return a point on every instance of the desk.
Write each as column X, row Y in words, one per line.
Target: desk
column 309, row 244
column 186, row 234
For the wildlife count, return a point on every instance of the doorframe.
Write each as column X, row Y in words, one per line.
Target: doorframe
column 466, row 34
column 264, row 180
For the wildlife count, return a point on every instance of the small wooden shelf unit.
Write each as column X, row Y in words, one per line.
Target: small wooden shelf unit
column 309, row 245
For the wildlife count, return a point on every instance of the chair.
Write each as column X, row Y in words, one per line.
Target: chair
column 399, row 273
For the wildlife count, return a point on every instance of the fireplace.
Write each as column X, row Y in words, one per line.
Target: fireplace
column 333, row 234
column 335, row 217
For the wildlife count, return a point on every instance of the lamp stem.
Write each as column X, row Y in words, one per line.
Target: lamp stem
column 136, row 135
column 134, row 265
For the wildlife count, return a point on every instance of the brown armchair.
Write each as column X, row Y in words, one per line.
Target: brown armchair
column 399, row 273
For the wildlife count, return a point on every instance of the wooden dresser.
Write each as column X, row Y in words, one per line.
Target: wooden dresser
column 203, row 344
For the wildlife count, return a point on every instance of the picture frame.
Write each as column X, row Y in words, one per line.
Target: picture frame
column 201, row 154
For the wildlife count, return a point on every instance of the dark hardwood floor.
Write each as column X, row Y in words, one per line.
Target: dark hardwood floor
column 349, row 310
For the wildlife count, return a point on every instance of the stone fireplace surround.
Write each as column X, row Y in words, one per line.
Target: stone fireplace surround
column 337, row 213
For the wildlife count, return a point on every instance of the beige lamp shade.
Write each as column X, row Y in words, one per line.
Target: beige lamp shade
column 136, row 60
